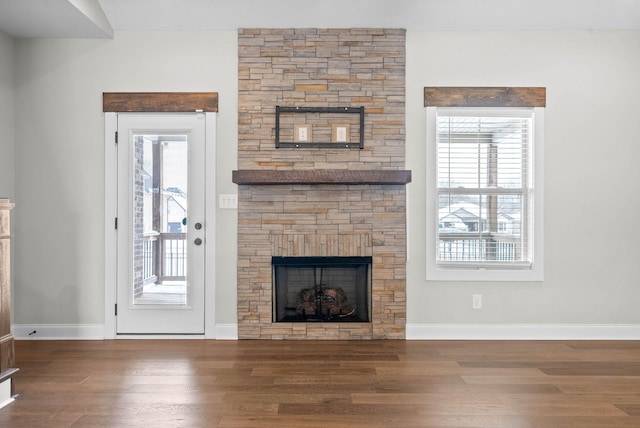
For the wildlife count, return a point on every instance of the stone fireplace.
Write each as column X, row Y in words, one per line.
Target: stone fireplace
column 321, row 204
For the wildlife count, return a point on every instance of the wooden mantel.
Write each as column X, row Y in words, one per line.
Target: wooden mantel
column 322, row 176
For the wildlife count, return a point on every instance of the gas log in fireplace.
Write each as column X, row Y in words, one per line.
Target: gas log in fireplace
column 328, row 289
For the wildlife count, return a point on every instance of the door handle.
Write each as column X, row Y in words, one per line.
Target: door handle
column 197, row 241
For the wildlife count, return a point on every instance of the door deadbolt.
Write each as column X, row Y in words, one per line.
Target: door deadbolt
column 198, row 226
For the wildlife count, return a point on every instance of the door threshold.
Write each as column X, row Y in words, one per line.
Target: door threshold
column 159, row 336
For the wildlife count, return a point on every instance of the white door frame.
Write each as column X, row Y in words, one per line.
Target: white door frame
column 110, row 235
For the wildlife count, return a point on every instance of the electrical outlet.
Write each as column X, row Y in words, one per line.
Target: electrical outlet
column 477, row 301
column 228, row 201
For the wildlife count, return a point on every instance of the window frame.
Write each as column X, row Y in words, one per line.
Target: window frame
column 486, row 271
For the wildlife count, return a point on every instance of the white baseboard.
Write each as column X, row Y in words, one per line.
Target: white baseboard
column 58, row 331
column 414, row 332
column 523, row 332
column 96, row 332
column 226, row 331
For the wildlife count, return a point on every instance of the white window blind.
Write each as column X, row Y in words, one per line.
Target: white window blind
column 484, row 187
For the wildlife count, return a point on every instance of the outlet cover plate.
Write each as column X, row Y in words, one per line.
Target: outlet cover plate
column 477, row 301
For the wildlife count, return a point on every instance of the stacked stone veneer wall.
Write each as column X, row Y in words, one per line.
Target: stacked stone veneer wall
column 321, row 68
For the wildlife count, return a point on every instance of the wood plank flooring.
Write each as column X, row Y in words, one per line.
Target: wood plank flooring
column 202, row 383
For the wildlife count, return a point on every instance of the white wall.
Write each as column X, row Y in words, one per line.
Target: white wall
column 59, row 272
column 592, row 268
column 7, row 117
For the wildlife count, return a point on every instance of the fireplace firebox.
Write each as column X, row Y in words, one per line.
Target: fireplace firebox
column 326, row 289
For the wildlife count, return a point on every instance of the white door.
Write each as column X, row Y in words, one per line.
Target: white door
column 160, row 224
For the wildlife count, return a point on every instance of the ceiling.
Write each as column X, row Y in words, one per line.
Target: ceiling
column 101, row 18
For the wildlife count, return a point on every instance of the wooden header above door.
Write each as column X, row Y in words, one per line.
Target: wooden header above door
column 175, row 102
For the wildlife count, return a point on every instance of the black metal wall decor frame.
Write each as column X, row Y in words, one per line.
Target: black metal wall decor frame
column 314, row 144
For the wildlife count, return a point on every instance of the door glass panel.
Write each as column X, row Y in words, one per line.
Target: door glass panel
column 160, row 219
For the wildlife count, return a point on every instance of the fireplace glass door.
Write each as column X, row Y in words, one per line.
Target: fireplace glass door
column 326, row 289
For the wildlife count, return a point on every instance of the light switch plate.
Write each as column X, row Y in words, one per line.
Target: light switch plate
column 228, row 201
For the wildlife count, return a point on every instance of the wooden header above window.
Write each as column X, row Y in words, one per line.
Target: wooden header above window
column 439, row 96
column 174, row 102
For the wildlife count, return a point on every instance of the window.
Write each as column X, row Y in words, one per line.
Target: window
column 484, row 193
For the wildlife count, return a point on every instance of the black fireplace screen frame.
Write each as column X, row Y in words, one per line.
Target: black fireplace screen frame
column 322, row 289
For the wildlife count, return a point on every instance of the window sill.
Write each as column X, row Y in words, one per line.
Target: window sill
column 534, row 274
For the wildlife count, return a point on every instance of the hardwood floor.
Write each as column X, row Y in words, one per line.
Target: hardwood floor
column 201, row 383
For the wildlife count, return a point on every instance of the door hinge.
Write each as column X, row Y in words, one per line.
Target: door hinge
column 116, row 137
column 116, row 309
column 116, row 223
